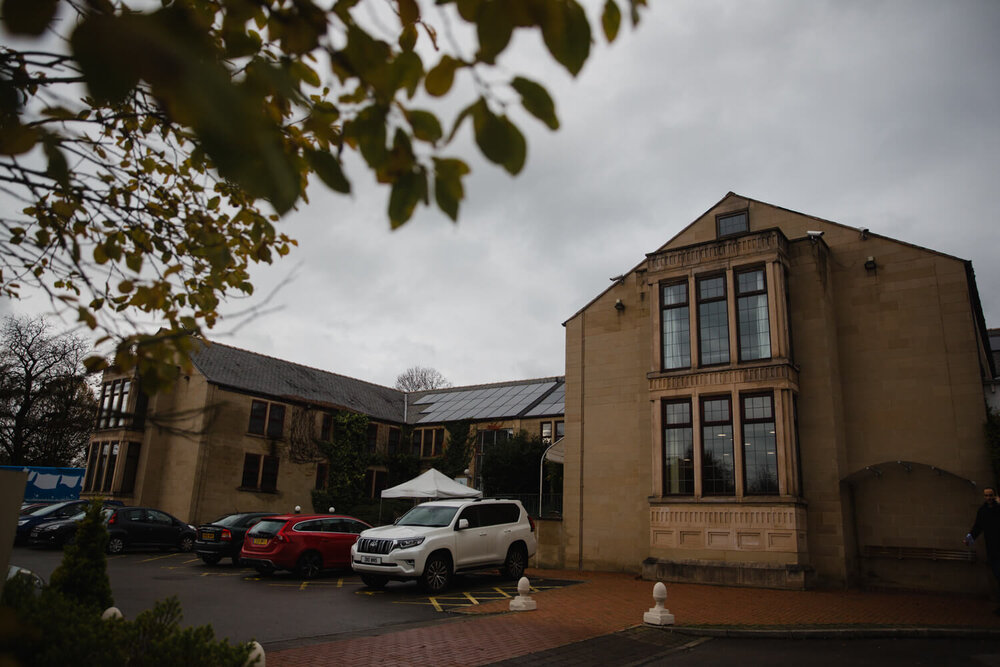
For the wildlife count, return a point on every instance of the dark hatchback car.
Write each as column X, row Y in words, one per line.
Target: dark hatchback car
column 223, row 538
column 55, row 512
column 306, row 544
column 62, row 532
column 139, row 527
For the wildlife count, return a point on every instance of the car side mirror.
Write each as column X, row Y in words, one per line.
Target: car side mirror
column 463, row 524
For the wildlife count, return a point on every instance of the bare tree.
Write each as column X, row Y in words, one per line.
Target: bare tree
column 46, row 406
column 418, row 378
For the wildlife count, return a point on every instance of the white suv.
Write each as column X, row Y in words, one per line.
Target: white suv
column 437, row 539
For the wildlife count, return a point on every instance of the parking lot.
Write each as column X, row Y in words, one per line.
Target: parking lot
column 283, row 609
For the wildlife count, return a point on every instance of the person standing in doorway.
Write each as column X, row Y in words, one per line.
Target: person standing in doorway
column 988, row 524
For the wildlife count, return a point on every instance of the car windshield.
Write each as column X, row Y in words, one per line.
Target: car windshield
column 229, row 520
column 267, row 528
column 422, row 515
column 45, row 511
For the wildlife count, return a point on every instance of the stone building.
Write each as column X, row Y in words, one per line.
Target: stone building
column 775, row 399
column 238, row 432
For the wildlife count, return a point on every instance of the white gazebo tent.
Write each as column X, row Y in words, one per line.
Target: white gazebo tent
column 430, row 485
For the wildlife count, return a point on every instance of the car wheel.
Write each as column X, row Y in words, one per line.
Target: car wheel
column 211, row 559
column 186, row 543
column 437, row 574
column 116, row 545
column 310, row 564
column 376, row 581
column 264, row 570
column 516, row 562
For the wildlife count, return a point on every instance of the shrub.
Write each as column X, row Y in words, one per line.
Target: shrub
column 83, row 574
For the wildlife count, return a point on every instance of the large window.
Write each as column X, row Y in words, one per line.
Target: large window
column 546, row 433
column 267, row 419
column 113, row 403
column 428, row 442
column 760, row 458
column 260, row 472
column 732, row 223
column 717, row 469
column 713, row 321
column 678, row 448
column 131, row 467
column 751, row 315
column 675, row 321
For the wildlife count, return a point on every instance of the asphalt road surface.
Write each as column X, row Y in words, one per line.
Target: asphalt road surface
column 279, row 611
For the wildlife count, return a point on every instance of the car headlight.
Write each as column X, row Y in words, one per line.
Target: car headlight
column 22, row 522
column 409, row 542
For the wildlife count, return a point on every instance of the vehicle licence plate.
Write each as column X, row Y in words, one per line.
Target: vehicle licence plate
column 208, row 537
column 371, row 560
column 260, row 541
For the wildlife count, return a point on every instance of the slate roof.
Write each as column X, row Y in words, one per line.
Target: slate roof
column 260, row 374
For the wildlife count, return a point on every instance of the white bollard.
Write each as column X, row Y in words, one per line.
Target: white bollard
column 256, row 657
column 523, row 601
column 658, row 614
column 111, row 613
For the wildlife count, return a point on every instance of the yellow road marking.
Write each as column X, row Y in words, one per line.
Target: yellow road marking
column 435, row 603
column 469, row 596
column 303, row 586
column 501, row 592
column 158, row 558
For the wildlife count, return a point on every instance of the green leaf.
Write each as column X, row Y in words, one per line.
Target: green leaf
column 407, row 37
column 327, row 167
column 441, row 77
column 448, row 189
column 426, row 126
column 407, row 71
column 15, row 138
column 409, row 12
column 566, row 32
column 536, row 101
column 467, row 9
column 611, row 20
column 304, row 73
column 494, row 28
column 105, row 49
column 58, row 169
column 369, row 133
column 28, row 17
column 498, row 138
column 406, row 193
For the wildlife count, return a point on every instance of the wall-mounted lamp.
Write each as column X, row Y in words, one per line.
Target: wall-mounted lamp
column 870, row 264
column 864, row 233
column 814, row 236
column 619, row 306
column 874, row 470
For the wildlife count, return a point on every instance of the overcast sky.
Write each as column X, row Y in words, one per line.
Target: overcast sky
column 873, row 114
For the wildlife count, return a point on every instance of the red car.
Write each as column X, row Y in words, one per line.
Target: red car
column 303, row 543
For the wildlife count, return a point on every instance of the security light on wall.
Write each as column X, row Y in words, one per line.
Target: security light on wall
column 870, row 264
column 619, row 306
column 814, row 235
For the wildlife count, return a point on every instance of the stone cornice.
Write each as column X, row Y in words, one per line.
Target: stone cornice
column 769, row 241
column 783, row 374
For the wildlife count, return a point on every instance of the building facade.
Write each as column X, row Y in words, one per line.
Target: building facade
column 775, row 399
column 240, row 431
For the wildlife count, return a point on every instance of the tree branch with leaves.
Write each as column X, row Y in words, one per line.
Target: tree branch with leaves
column 153, row 150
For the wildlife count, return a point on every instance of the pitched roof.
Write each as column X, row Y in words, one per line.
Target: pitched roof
column 254, row 373
column 502, row 400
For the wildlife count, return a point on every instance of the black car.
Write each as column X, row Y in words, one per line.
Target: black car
column 62, row 532
column 131, row 527
column 55, row 512
column 223, row 538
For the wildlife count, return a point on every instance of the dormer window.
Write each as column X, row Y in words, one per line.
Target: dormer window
column 732, row 223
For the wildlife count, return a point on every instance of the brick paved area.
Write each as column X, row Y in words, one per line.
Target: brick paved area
column 609, row 602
